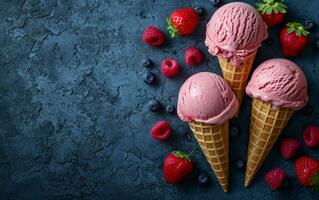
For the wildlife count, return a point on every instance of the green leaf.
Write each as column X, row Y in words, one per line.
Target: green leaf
column 171, row 29
column 269, row 11
column 182, row 155
column 315, row 181
column 271, row 6
column 260, row 6
column 282, row 10
column 298, row 28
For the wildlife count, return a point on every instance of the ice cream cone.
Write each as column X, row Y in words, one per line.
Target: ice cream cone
column 237, row 76
column 213, row 140
column 265, row 127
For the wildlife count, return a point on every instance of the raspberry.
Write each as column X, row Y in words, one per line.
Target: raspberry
column 153, row 36
column 289, row 147
column 170, row 68
column 275, row 178
column 193, row 56
column 161, row 130
column 311, row 136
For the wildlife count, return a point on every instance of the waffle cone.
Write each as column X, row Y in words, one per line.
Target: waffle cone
column 265, row 127
column 213, row 140
column 237, row 76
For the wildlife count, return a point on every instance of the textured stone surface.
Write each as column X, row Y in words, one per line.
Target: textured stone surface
column 74, row 122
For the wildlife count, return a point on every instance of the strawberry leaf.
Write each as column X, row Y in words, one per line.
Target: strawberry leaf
column 271, row 6
column 182, row 155
column 282, row 10
column 269, row 11
column 171, row 29
column 298, row 28
column 315, row 181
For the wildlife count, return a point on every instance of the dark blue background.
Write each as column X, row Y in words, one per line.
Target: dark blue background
column 73, row 117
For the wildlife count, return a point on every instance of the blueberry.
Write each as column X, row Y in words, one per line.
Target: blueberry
column 215, row 2
column 202, row 178
column 307, row 110
column 154, row 105
column 269, row 41
column 240, row 164
column 234, row 131
column 147, row 63
column 200, row 11
column 170, row 109
column 149, row 78
column 309, row 24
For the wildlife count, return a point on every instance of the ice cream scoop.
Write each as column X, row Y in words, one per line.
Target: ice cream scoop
column 207, row 103
column 278, row 88
column 235, row 32
column 206, row 97
column 280, row 82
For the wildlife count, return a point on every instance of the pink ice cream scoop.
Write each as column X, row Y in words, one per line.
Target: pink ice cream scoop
column 206, row 97
column 280, row 82
column 235, row 32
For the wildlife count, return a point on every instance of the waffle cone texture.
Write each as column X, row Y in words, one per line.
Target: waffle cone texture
column 214, row 142
column 265, row 127
column 237, row 76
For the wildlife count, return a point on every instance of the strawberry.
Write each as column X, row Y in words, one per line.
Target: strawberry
column 311, row 136
column 307, row 171
column 177, row 166
column 272, row 11
column 275, row 178
column 293, row 39
column 182, row 22
column 289, row 147
column 153, row 36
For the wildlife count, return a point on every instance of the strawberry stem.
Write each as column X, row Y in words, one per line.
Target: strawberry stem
column 298, row 28
column 182, row 155
column 271, row 6
column 171, row 29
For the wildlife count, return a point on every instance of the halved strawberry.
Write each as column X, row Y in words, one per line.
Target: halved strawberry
column 272, row 11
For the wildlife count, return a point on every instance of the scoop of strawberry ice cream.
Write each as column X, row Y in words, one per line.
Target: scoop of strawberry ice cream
column 206, row 97
column 280, row 82
column 235, row 32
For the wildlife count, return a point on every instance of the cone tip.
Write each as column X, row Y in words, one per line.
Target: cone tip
column 247, row 182
column 225, row 188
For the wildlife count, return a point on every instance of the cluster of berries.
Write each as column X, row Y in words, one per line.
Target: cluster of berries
column 306, row 168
